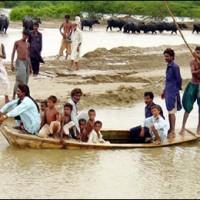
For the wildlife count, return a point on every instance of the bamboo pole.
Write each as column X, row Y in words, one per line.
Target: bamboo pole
column 180, row 31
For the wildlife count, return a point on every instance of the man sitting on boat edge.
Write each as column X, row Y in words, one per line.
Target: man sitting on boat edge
column 24, row 109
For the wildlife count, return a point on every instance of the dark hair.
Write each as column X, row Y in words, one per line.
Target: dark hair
column 197, row 48
column 52, row 98
column 25, row 89
column 82, row 120
column 68, row 105
column 26, row 32
column 150, row 94
column 67, row 17
column 44, row 102
column 156, row 107
column 76, row 91
column 170, row 52
column 91, row 110
column 97, row 122
column 36, row 24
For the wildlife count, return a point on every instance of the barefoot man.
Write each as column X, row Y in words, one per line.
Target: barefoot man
column 75, row 46
column 192, row 91
column 23, row 64
column 65, row 44
column 171, row 92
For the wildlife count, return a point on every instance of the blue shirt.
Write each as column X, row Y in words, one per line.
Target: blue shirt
column 173, row 84
column 27, row 111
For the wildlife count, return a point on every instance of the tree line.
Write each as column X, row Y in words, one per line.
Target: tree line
column 95, row 9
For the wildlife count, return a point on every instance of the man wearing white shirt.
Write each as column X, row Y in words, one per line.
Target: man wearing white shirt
column 76, row 38
column 24, row 109
column 76, row 94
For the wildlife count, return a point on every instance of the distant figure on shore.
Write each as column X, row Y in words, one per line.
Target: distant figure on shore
column 76, row 38
column 171, row 92
column 192, row 91
column 4, row 81
column 23, row 64
column 35, row 40
column 66, row 37
column 78, row 20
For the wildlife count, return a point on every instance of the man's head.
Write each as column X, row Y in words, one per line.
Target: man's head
column 169, row 55
column 91, row 114
column 68, row 109
column 82, row 123
column 35, row 26
column 67, row 17
column 97, row 126
column 25, row 34
column 74, row 25
column 51, row 101
column 23, row 90
column 148, row 98
column 155, row 110
column 76, row 94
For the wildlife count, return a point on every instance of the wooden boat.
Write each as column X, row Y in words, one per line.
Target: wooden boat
column 119, row 139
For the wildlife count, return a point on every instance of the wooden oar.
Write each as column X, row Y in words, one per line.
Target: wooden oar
column 180, row 31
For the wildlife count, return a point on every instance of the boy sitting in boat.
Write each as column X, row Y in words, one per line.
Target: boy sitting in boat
column 95, row 135
column 43, row 106
column 66, row 123
column 91, row 120
column 157, row 126
column 84, row 135
column 51, row 121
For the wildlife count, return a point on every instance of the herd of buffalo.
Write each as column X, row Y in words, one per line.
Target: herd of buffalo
column 134, row 26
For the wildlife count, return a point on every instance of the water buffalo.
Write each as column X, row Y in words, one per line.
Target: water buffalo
column 115, row 23
column 196, row 27
column 153, row 27
column 89, row 22
column 4, row 23
column 133, row 27
column 28, row 22
column 171, row 26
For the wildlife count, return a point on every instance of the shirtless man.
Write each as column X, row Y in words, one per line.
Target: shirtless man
column 192, row 90
column 65, row 43
column 51, row 121
column 22, row 65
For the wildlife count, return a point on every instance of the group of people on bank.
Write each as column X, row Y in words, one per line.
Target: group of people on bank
column 154, row 128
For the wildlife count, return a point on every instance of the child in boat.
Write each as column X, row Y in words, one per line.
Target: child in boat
column 51, row 121
column 91, row 120
column 95, row 135
column 157, row 126
column 84, row 135
column 43, row 106
column 66, row 123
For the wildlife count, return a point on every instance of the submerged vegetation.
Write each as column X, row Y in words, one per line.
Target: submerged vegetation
column 57, row 9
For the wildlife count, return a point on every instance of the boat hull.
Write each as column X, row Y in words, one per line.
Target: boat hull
column 119, row 139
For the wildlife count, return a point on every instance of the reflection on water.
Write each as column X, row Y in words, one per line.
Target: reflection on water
column 137, row 173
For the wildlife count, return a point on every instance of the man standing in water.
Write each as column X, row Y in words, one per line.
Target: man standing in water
column 23, row 64
column 35, row 40
column 192, row 91
column 171, row 93
column 66, row 40
column 76, row 38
